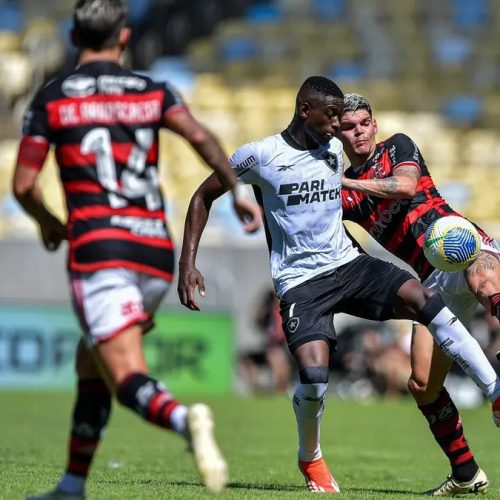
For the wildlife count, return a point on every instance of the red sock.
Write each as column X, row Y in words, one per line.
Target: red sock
column 149, row 398
column 446, row 426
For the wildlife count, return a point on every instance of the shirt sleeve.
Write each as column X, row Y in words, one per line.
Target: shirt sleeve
column 245, row 163
column 36, row 135
column 35, row 121
column 173, row 101
column 404, row 152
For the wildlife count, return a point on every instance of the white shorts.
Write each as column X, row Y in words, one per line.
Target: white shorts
column 454, row 290
column 108, row 301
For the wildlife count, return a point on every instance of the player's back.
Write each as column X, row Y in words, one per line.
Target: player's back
column 104, row 123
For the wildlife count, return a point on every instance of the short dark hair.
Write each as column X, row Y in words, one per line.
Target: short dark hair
column 97, row 23
column 322, row 86
column 353, row 102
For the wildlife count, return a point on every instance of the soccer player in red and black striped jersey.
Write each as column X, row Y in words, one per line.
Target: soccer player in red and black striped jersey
column 103, row 122
column 388, row 190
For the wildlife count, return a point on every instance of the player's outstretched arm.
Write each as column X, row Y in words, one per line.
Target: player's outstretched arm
column 196, row 220
column 402, row 184
column 29, row 196
column 209, row 148
column 483, row 279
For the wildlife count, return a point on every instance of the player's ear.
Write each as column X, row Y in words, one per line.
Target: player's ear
column 124, row 37
column 375, row 126
column 304, row 109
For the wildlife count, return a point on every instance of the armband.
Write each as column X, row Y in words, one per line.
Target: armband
column 33, row 152
column 495, row 304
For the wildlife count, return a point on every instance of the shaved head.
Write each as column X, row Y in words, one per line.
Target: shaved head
column 316, row 89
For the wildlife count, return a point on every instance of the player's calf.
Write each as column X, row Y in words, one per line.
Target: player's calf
column 456, row 342
column 150, row 399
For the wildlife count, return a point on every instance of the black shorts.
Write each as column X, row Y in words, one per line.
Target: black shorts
column 365, row 287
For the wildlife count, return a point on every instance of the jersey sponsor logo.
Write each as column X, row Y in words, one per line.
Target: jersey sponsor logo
column 130, row 308
column 384, row 217
column 113, row 84
column 283, row 168
column 245, row 165
column 331, row 161
column 445, row 346
column 140, row 226
column 79, row 86
column 309, row 192
column 292, row 324
column 89, row 112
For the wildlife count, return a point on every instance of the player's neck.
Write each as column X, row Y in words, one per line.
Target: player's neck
column 358, row 160
column 297, row 133
column 106, row 55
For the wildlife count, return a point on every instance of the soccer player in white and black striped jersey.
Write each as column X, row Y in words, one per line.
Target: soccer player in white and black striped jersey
column 317, row 272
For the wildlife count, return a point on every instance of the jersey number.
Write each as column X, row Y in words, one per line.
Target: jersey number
column 137, row 180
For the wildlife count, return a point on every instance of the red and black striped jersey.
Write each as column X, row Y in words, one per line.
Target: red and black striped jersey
column 399, row 225
column 104, row 122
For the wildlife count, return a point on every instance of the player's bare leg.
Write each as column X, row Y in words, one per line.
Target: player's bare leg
column 429, row 369
column 308, row 403
column 483, row 279
column 416, row 302
column 122, row 361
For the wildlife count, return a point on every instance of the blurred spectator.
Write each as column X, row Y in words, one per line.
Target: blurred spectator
column 370, row 361
column 274, row 355
column 486, row 330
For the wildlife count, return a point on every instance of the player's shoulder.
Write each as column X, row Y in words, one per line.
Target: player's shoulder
column 399, row 139
column 335, row 146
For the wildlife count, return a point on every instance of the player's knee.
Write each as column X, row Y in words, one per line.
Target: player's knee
column 417, row 386
column 423, row 390
column 314, row 381
column 432, row 306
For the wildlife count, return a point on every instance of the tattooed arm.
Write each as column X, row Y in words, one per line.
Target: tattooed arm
column 402, row 184
column 483, row 279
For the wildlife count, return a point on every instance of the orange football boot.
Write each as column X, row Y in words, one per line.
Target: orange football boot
column 318, row 477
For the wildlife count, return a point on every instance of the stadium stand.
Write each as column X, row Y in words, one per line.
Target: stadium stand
column 429, row 67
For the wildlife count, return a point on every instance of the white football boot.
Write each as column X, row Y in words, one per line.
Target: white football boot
column 451, row 487
column 209, row 460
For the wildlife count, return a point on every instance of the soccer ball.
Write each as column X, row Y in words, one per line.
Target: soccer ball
column 451, row 243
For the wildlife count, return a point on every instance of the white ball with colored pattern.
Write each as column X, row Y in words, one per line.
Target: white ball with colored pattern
column 451, row 244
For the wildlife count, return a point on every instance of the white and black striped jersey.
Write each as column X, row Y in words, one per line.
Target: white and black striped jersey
column 300, row 191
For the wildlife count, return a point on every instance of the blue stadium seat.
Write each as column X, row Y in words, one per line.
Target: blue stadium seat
column 329, row 10
column 347, row 70
column 463, row 109
column 238, row 48
column 266, row 13
column 11, row 16
column 138, row 11
column 469, row 13
column 451, row 50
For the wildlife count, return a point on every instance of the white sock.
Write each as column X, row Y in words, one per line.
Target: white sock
column 308, row 404
column 457, row 343
column 71, row 483
column 178, row 419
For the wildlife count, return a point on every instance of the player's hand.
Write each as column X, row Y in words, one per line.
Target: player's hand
column 53, row 232
column 247, row 210
column 189, row 279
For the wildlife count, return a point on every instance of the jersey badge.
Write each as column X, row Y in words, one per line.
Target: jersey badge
column 331, row 161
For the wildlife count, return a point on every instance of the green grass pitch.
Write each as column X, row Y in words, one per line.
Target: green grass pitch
column 380, row 450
